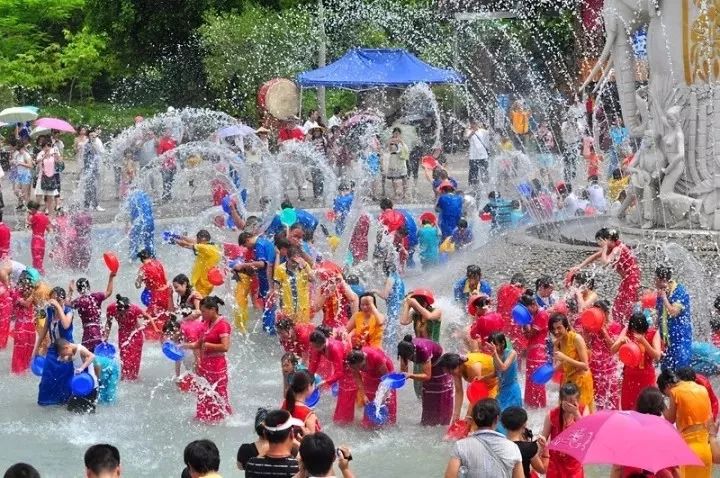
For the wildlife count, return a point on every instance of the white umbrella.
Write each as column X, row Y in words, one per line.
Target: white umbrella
column 17, row 114
column 235, row 130
column 39, row 130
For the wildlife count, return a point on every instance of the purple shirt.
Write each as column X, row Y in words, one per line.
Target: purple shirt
column 426, row 349
column 88, row 307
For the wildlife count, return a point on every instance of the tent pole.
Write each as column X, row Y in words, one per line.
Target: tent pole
column 301, row 100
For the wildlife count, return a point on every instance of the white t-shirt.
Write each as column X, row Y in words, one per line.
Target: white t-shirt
column 487, row 453
column 597, row 197
column 572, row 204
column 334, row 121
column 479, row 140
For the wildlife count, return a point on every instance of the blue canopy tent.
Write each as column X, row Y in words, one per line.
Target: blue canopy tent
column 367, row 68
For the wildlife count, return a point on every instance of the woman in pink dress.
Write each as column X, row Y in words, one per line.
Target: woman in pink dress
column 327, row 357
column 602, row 362
column 213, row 404
column 24, row 331
column 536, row 333
column 618, row 255
column 368, row 366
column 130, row 334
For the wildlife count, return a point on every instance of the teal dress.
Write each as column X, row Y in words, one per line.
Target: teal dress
column 392, row 321
column 509, row 394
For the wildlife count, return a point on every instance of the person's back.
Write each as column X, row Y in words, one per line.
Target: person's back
column 429, row 242
column 450, row 207
column 278, row 461
column 202, row 459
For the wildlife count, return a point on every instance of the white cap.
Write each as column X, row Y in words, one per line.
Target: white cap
column 292, row 422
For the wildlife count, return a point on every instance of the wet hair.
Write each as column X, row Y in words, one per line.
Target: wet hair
column 33, row 206
column 320, row 335
column 543, row 281
column 212, row 302
column 21, row 470
column 203, row 235
column 282, row 242
column 259, row 419
column 607, row 234
column 450, row 361
column 290, row 357
column 122, row 303
column 355, row 357
column 202, row 456
column 518, row 278
column 650, row 401
column 558, row 317
column 583, row 278
column 513, row 418
column 493, row 195
column 82, row 285
column 473, row 270
column 285, row 323
column 243, row 238
column 273, row 419
column 386, row 203
column 604, row 305
column 352, row 279
column 667, row 378
column 300, row 381
column 566, row 391
column 663, row 272
column 686, row 374
column 182, row 279
column 638, row 323
column 616, row 173
column 462, row 224
column 406, row 348
column 485, row 412
column 102, row 458
column 317, row 452
column 528, row 298
column 144, row 255
column 368, row 294
column 59, row 292
column 297, row 226
column 498, row 338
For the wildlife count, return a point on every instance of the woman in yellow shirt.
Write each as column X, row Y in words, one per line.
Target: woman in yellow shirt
column 571, row 354
column 689, row 409
column 293, row 280
column 366, row 325
column 475, row 366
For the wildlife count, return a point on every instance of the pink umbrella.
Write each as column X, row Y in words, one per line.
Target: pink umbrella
column 55, row 123
column 625, row 438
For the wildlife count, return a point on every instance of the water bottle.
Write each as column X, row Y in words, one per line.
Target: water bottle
column 462, row 471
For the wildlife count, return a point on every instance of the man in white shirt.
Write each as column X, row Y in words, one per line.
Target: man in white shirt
column 596, row 195
column 478, row 154
column 312, row 121
column 335, row 119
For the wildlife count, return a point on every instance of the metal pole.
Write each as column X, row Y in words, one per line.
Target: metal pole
column 322, row 53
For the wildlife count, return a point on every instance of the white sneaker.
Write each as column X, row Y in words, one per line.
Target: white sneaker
column 100, row 209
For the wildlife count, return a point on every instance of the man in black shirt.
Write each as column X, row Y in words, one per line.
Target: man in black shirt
column 278, row 462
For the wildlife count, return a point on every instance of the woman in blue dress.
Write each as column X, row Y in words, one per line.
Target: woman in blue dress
column 674, row 314
column 57, row 374
column 506, row 368
column 393, row 293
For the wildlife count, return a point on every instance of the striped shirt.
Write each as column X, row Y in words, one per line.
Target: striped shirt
column 261, row 467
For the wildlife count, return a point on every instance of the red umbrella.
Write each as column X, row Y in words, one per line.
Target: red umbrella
column 55, row 123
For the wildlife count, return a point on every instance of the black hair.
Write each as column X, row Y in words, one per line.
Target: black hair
column 450, row 361
column 144, row 255
column 299, row 382
column 514, row 418
column 485, row 412
column 686, row 374
column 386, row 203
column 584, row 278
column 473, row 270
column 593, row 178
column 650, row 401
column 616, row 173
column 543, row 281
column 663, row 272
column 21, row 470
column 528, row 298
column 273, row 419
column 406, row 348
column 667, row 378
column 604, row 305
column 259, row 419
column 498, row 338
column 202, row 456
column 286, row 204
column 568, row 390
column 462, row 224
column 716, row 304
column 607, row 234
column 285, row 324
column 320, row 335
column 558, row 317
column 638, row 323
column 368, row 294
column 243, row 238
column 82, row 285
column 493, row 195
column 33, row 206
column 282, row 242
column 122, row 303
column 102, row 458
column 203, row 235
column 317, row 452
column 518, row 278
column 352, row 279
column 212, row 302
column 355, row 357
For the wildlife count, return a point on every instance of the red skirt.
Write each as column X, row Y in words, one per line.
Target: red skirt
column 535, row 396
column 160, row 300
column 23, row 344
column 633, row 381
column 5, row 315
column 627, row 296
column 346, row 400
column 213, row 404
column 371, row 384
column 37, row 251
column 131, row 345
column 606, row 383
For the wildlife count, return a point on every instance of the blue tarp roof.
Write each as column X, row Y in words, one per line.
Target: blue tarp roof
column 364, row 68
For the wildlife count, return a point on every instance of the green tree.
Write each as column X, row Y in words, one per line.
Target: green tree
column 83, row 60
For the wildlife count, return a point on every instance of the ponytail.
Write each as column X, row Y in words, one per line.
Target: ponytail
column 299, row 382
column 406, row 348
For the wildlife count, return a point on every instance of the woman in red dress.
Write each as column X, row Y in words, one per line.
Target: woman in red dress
column 300, row 387
column 558, row 419
column 129, row 318
column 602, row 362
column 152, row 274
column 24, row 332
column 618, row 255
column 635, row 379
column 213, row 404
column 368, row 366
column 536, row 334
column 295, row 338
column 6, row 307
column 328, row 356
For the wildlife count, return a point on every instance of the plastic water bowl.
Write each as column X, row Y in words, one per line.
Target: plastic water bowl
column 104, row 349
column 394, row 380
column 543, row 375
column 378, row 416
column 82, row 384
column 173, row 351
column 313, row 399
column 37, row 366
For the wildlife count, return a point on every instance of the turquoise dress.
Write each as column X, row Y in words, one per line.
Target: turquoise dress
column 392, row 321
column 509, row 394
column 109, row 378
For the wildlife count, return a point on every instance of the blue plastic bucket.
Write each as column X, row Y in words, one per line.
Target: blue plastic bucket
column 82, row 384
column 377, row 416
column 173, row 351
column 521, row 315
column 105, row 349
column 543, row 375
column 313, row 398
column 37, row 366
column 394, row 380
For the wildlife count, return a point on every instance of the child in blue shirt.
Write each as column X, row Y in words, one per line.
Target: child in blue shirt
column 462, row 236
column 429, row 243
